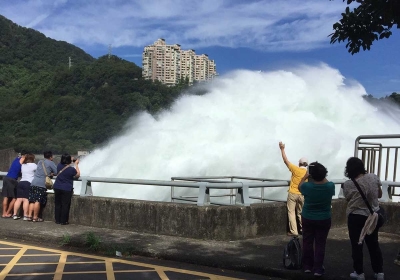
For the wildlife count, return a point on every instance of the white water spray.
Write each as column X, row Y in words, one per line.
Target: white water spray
column 235, row 128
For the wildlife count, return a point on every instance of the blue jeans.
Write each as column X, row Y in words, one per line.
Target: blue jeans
column 314, row 232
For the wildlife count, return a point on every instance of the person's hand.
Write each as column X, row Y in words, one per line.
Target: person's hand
column 306, row 175
column 77, row 161
column 281, row 146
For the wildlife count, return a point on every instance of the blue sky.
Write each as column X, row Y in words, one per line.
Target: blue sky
column 241, row 34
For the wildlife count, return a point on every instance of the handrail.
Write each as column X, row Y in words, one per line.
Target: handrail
column 203, row 198
column 370, row 151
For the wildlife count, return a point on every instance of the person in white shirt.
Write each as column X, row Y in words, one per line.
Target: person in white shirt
column 28, row 169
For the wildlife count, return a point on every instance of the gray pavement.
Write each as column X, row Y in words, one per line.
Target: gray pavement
column 261, row 256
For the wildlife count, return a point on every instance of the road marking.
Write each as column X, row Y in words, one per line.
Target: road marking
column 11, row 264
column 60, row 267
column 108, row 269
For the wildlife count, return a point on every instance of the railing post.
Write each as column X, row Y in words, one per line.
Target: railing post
column 204, row 195
column 341, row 195
column 385, row 193
column 86, row 188
column 242, row 195
column 172, row 192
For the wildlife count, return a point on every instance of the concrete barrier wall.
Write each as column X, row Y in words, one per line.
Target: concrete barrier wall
column 188, row 220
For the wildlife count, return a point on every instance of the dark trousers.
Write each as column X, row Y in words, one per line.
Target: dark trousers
column 314, row 232
column 355, row 224
column 62, row 204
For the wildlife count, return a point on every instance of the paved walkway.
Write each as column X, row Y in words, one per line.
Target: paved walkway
column 21, row 261
column 261, row 255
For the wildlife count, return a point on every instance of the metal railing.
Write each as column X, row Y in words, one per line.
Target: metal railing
column 372, row 154
column 241, row 189
column 233, row 192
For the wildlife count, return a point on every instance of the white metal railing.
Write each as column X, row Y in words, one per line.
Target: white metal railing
column 377, row 156
column 205, row 184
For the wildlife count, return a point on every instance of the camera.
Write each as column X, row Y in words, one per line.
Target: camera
column 311, row 169
column 310, row 172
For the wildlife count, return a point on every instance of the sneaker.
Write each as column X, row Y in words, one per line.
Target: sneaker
column 318, row 274
column 397, row 262
column 15, row 217
column 307, row 271
column 379, row 276
column 360, row 276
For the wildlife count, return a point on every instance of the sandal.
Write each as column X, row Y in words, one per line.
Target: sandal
column 26, row 218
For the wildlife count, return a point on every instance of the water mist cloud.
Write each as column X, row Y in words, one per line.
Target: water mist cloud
column 235, row 128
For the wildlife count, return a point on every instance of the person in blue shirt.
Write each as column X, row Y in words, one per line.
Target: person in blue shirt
column 316, row 217
column 9, row 191
column 63, row 188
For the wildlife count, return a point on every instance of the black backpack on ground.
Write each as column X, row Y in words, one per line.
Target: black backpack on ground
column 292, row 254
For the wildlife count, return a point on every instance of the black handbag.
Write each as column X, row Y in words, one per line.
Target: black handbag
column 381, row 212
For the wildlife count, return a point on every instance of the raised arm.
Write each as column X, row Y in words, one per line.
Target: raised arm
column 78, row 172
column 305, row 177
column 284, row 157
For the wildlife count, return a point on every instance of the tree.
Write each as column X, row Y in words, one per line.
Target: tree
column 372, row 20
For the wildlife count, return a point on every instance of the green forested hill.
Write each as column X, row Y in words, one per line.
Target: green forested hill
column 46, row 105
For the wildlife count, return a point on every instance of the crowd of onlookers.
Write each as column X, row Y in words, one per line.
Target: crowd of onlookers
column 31, row 190
column 310, row 199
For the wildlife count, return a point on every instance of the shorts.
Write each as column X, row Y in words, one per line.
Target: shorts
column 23, row 189
column 38, row 194
column 9, row 187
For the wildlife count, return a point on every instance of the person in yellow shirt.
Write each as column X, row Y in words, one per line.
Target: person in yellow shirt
column 295, row 199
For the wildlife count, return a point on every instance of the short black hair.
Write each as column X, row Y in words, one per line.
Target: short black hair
column 66, row 159
column 318, row 172
column 47, row 154
column 354, row 167
column 23, row 152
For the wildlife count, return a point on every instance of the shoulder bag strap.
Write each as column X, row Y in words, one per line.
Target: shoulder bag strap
column 65, row 167
column 363, row 196
column 44, row 168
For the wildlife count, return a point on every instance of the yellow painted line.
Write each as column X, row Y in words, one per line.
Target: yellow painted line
column 39, row 255
column 32, row 274
column 59, row 271
column 162, row 274
column 110, row 270
column 10, row 248
column 60, row 267
column 11, row 264
column 58, row 263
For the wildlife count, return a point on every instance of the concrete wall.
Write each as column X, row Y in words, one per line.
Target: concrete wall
column 188, row 220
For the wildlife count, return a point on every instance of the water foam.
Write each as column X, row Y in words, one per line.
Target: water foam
column 235, row 128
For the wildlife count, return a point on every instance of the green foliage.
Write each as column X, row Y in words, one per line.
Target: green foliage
column 45, row 105
column 66, row 240
column 92, row 241
column 371, row 20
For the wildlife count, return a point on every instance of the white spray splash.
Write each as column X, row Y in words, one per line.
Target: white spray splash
column 235, row 128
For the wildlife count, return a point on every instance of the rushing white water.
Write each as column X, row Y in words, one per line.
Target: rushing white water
column 235, row 128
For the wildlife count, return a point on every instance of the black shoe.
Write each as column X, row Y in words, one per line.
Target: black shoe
column 64, row 224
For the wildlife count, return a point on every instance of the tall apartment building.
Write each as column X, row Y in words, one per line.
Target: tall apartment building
column 169, row 64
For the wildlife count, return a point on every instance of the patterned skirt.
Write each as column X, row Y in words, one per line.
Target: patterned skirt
column 38, row 194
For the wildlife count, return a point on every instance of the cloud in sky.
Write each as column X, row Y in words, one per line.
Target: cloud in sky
column 270, row 25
